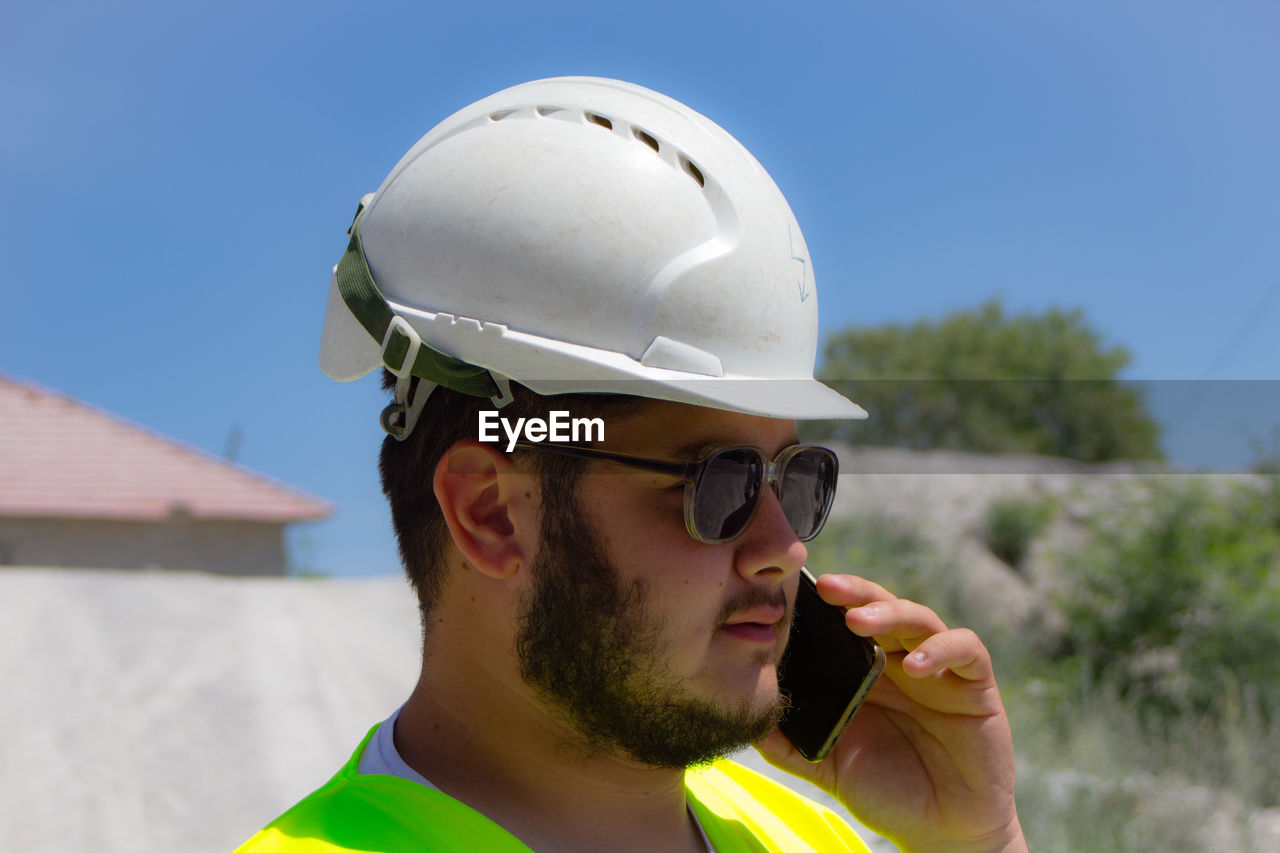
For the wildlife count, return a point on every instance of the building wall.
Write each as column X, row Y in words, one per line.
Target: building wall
column 221, row 547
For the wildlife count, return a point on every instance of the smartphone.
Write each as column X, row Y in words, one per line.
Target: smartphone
column 826, row 672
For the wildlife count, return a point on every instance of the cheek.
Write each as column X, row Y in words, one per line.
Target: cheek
column 664, row 510
column 639, row 517
column 659, row 539
column 645, row 533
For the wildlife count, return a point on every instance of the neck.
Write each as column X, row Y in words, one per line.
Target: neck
column 482, row 736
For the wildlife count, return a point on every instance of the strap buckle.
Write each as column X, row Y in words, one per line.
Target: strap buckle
column 399, row 418
column 400, row 339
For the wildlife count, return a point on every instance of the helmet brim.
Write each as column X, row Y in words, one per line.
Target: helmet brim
column 547, row 366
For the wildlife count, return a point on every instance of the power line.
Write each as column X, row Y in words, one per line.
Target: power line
column 1250, row 323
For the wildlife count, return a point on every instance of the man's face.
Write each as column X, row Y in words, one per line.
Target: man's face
column 646, row 641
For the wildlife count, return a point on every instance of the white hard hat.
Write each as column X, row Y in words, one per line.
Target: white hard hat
column 586, row 235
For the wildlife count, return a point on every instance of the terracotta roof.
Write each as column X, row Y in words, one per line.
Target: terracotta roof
column 61, row 457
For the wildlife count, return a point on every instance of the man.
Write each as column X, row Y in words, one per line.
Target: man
column 604, row 613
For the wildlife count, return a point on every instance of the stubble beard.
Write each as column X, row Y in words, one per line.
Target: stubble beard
column 594, row 652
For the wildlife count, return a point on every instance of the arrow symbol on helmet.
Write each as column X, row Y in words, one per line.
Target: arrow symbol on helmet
column 804, row 275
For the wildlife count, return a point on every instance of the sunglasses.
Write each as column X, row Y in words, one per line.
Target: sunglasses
column 724, row 485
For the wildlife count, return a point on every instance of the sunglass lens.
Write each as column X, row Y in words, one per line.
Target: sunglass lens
column 807, row 489
column 727, row 491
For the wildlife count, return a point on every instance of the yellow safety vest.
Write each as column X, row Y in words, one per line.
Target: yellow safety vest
column 739, row 810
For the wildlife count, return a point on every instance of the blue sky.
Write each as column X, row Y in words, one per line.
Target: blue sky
column 178, row 177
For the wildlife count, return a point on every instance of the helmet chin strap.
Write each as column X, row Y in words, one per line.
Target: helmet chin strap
column 504, row 394
column 400, row 417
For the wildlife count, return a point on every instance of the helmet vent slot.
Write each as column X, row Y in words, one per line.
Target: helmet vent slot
column 545, row 110
column 646, row 138
column 596, row 118
column 694, row 171
column 500, row 115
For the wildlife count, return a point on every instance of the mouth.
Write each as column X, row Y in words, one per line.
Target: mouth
column 753, row 632
column 759, row 624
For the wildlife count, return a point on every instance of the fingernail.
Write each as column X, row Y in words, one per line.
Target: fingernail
column 919, row 657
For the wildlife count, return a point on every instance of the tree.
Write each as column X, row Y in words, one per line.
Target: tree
column 985, row 381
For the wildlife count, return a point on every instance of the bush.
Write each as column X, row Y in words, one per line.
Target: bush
column 893, row 554
column 1175, row 606
column 1011, row 524
column 991, row 382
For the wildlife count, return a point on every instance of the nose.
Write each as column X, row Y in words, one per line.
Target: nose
column 769, row 548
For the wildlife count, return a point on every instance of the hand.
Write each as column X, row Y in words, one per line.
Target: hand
column 928, row 759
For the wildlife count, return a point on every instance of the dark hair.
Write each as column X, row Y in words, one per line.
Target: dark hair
column 407, row 469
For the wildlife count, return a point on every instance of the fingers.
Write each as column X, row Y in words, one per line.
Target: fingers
column 958, row 650
column 897, row 624
column 851, row 590
column 900, row 625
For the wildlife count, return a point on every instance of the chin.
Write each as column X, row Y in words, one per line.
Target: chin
column 755, row 689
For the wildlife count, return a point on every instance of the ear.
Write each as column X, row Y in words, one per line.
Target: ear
column 489, row 505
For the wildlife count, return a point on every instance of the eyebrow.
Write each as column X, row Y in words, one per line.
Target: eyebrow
column 693, row 449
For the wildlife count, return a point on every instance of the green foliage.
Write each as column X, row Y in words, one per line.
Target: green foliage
column 891, row 553
column 1094, row 777
column 1091, row 768
column 1059, row 817
column 894, row 553
column 1266, row 460
column 985, row 381
column 1011, row 524
column 1175, row 606
column 1178, row 596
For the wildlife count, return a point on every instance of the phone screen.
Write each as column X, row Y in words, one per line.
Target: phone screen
column 826, row 672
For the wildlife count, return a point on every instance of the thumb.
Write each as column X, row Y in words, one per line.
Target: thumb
column 776, row 749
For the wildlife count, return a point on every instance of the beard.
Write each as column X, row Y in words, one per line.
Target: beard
column 595, row 654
